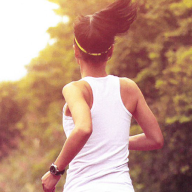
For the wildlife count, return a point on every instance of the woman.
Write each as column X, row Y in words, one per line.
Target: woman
column 98, row 111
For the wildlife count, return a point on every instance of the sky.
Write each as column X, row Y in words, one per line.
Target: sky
column 23, row 26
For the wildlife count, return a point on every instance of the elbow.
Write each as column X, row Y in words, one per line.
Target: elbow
column 159, row 143
column 88, row 132
column 85, row 132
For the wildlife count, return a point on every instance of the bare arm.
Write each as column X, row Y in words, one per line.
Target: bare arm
column 152, row 137
column 83, row 129
column 83, row 125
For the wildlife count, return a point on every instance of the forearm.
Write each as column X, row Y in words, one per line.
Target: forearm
column 142, row 143
column 71, row 148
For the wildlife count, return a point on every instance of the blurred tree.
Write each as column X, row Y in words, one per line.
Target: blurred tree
column 166, row 84
column 11, row 112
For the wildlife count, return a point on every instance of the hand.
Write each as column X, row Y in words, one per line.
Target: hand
column 49, row 182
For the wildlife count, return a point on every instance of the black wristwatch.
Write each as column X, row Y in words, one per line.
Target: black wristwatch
column 55, row 171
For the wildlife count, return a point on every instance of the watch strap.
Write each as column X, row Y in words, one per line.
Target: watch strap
column 60, row 172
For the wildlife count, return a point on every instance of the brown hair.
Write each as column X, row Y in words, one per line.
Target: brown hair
column 96, row 33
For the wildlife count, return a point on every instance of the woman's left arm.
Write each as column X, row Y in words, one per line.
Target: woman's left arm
column 81, row 115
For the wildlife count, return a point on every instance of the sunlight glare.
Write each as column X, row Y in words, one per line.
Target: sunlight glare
column 23, row 34
column 65, row 19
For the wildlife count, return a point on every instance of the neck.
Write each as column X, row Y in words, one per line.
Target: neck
column 92, row 69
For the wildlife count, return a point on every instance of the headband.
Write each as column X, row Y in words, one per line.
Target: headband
column 93, row 54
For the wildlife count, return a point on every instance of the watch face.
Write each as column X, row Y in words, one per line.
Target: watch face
column 53, row 169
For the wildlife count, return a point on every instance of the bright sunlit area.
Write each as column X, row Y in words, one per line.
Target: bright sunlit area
column 23, row 26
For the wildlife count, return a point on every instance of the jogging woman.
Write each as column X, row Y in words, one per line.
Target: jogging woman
column 98, row 111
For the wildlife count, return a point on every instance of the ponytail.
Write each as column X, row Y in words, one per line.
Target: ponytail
column 95, row 34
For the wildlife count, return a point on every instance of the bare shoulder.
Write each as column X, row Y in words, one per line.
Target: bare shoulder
column 78, row 86
column 129, row 85
column 78, row 89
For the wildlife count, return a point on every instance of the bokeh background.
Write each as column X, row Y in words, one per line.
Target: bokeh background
column 156, row 54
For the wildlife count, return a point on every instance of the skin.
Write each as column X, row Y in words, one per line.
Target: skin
column 78, row 96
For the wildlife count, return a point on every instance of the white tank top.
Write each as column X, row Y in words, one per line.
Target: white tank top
column 102, row 164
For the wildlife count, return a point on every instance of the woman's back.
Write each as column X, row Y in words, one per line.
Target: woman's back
column 101, row 165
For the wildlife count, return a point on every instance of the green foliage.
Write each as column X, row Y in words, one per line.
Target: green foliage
column 11, row 112
column 156, row 53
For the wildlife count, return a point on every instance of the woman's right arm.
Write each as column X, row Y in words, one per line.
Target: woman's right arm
column 152, row 137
